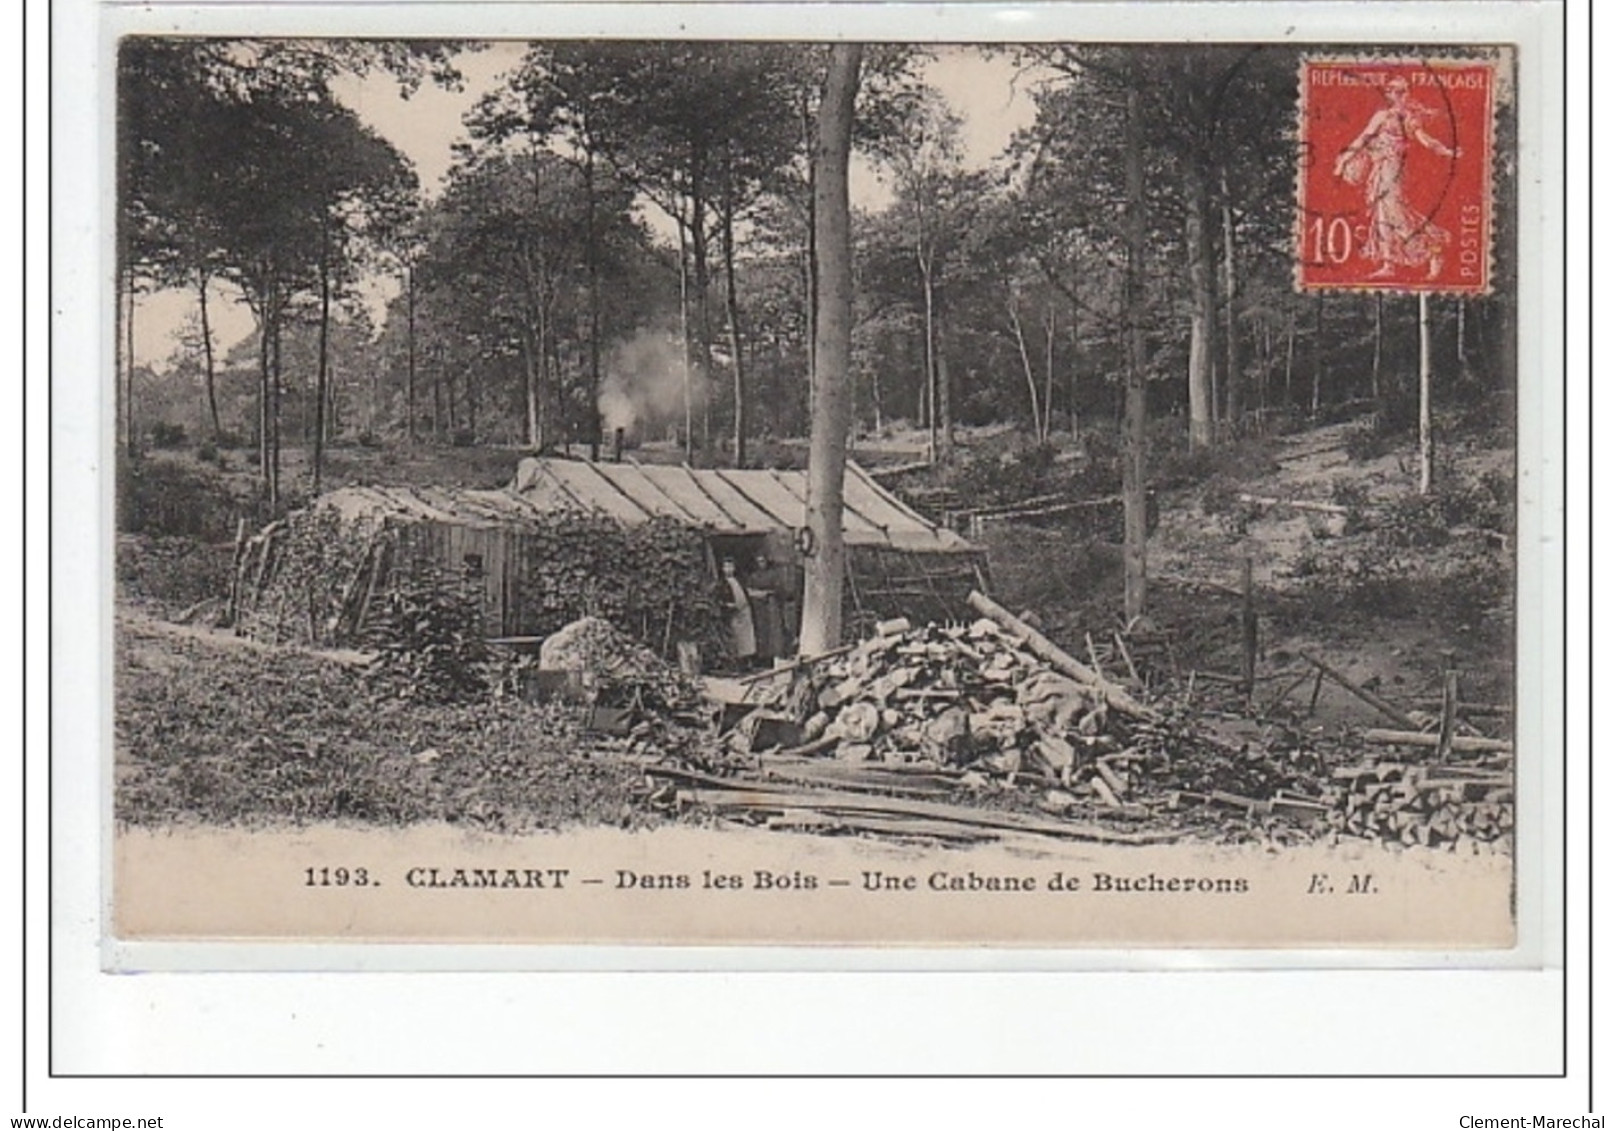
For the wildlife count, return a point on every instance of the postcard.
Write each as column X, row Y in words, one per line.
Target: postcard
column 771, row 492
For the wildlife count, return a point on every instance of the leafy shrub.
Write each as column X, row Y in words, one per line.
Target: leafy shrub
column 1178, row 466
column 167, row 436
column 1354, row 497
column 997, row 479
column 173, row 573
column 1423, row 521
column 166, row 498
column 652, row 580
column 1412, row 522
column 429, row 639
column 1220, row 497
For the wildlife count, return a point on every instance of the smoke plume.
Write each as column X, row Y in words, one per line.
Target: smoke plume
column 642, row 390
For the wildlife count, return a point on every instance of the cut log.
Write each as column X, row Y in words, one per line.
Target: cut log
column 811, row 821
column 1110, row 777
column 831, row 802
column 808, row 749
column 1051, row 653
column 1367, row 696
column 1462, row 743
column 1294, row 504
column 1477, row 710
column 1449, row 715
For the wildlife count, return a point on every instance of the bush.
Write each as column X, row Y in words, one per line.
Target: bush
column 429, row 639
column 1423, row 521
column 1412, row 522
column 166, row 498
column 173, row 573
column 167, row 436
column 1178, row 466
column 651, row 580
column 1354, row 497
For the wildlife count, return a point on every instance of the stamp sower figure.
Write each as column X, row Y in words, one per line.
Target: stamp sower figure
column 1398, row 235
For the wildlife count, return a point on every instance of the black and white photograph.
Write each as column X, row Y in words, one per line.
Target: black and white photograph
column 777, row 492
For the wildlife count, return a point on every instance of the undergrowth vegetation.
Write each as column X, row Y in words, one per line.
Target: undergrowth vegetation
column 222, row 732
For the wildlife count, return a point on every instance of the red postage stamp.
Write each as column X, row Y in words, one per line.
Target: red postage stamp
column 1394, row 185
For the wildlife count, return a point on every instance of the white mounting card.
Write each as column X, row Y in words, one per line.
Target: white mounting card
column 460, row 387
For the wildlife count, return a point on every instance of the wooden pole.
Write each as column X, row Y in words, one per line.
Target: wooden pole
column 1426, row 441
column 1247, row 622
column 1449, row 711
column 1362, row 693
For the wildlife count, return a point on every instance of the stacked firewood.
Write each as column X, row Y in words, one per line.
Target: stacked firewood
column 1432, row 805
column 952, row 696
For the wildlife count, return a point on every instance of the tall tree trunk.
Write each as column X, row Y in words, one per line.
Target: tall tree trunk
column 810, row 289
column 1427, row 447
column 732, row 304
column 409, row 336
column 703, row 310
column 1234, row 379
column 684, row 340
column 533, row 362
column 944, row 392
column 264, row 378
column 827, row 453
column 1049, row 327
column 1379, row 346
column 930, row 350
column 131, row 434
column 1072, row 374
column 437, row 404
column 1135, row 500
column 1317, row 355
column 1026, row 361
column 1289, row 362
column 1202, row 312
column 208, row 372
column 322, row 370
column 274, row 403
column 592, row 267
column 532, row 347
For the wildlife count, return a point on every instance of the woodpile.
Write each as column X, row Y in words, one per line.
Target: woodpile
column 1426, row 805
column 961, row 696
column 960, row 733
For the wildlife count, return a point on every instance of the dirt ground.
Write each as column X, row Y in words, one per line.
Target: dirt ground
column 215, row 730
column 1312, row 594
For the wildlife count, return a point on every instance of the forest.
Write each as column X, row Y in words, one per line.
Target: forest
column 625, row 240
column 1195, row 484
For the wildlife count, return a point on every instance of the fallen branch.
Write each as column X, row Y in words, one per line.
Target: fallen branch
column 1462, row 742
column 1196, row 583
column 793, row 663
column 1367, row 696
column 1294, row 504
column 1050, row 652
